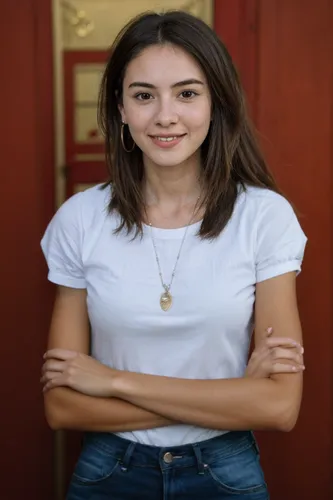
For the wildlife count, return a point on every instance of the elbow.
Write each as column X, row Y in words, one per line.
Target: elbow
column 53, row 420
column 285, row 406
column 288, row 423
column 53, row 412
column 286, row 417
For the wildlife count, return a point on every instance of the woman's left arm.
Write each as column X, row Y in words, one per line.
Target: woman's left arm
column 233, row 404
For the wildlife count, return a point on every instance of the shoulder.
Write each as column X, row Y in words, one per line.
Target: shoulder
column 278, row 239
column 83, row 210
column 64, row 241
column 263, row 208
column 79, row 214
column 268, row 211
column 272, row 227
column 91, row 203
column 259, row 200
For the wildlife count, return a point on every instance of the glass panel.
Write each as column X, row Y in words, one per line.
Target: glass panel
column 87, row 81
column 87, row 78
column 86, row 128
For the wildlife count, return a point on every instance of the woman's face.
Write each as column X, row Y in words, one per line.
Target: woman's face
column 166, row 104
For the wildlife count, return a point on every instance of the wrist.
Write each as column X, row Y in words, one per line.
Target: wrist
column 121, row 384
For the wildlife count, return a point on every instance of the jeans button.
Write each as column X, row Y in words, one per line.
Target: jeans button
column 167, row 457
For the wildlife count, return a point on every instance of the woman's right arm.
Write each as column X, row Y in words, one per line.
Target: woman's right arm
column 68, row 409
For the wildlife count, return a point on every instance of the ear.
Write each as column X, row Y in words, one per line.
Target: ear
column 122, row 113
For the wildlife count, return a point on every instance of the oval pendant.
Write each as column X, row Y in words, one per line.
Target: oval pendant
column 166, row 301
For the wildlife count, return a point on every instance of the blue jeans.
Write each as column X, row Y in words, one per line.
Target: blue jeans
column 111, row 468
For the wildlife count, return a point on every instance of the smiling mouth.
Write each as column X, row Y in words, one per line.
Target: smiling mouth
column 168, row 138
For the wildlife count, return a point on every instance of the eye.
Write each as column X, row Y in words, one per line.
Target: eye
column 188, row 94
column 143, row 96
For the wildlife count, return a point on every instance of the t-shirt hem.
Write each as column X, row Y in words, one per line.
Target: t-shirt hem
column 165, row 441
column 278, row 269
column 60, row 279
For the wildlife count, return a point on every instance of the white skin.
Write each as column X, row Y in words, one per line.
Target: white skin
column 155, row 104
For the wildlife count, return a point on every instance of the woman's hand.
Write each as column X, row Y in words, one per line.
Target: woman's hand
column 275, row 355
column 63, row 368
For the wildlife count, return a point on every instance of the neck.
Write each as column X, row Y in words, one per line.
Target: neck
column 177, row 185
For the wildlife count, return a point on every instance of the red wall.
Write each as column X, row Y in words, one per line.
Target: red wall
column 26, row 203
column 283, row 49
column 295, row 110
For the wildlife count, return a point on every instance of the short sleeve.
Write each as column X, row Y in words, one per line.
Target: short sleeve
column 280, row 239
column 62, row 243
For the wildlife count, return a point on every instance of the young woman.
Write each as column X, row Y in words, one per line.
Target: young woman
column 163, row 275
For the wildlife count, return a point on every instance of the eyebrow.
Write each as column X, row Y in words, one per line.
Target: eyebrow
column 190, row 81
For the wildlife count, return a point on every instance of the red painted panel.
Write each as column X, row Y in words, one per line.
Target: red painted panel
column 26, row 203
column 227, row 16
column 235, row 21
column 295, row 114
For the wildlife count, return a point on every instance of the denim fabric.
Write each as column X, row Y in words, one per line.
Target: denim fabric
column 222, row 468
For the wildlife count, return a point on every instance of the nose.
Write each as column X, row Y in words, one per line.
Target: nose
column 166, row 114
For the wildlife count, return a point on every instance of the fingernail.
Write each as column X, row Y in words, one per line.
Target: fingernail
column 269, row 330
column 302, row 350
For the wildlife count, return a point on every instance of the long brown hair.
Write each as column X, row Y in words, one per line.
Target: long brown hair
column 230, row 153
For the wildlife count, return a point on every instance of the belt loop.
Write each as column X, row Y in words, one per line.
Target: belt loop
column 127, row 457
column 255, row 443
column 198, row 456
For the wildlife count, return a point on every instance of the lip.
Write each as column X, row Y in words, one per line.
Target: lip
column 167, row 144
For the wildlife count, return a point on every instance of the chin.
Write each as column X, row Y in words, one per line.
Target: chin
column 169, row 158
column 168, row 162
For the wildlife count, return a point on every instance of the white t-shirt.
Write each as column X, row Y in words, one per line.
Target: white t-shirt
column 206, row 333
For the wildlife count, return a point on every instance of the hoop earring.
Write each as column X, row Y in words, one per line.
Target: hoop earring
column 122, row 139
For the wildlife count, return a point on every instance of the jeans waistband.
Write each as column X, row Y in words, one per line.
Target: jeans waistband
column 196, row 454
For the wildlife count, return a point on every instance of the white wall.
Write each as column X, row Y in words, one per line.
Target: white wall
column 109, row 16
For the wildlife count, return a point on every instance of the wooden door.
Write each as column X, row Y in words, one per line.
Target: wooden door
column 84, row 148
column 283, row 49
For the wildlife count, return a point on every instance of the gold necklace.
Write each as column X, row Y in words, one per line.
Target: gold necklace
column 166, row 298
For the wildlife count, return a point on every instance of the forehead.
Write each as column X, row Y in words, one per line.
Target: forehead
column 163, row 64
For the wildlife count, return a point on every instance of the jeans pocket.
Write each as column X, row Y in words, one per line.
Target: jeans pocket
column 95, row 464
column 238, row 473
